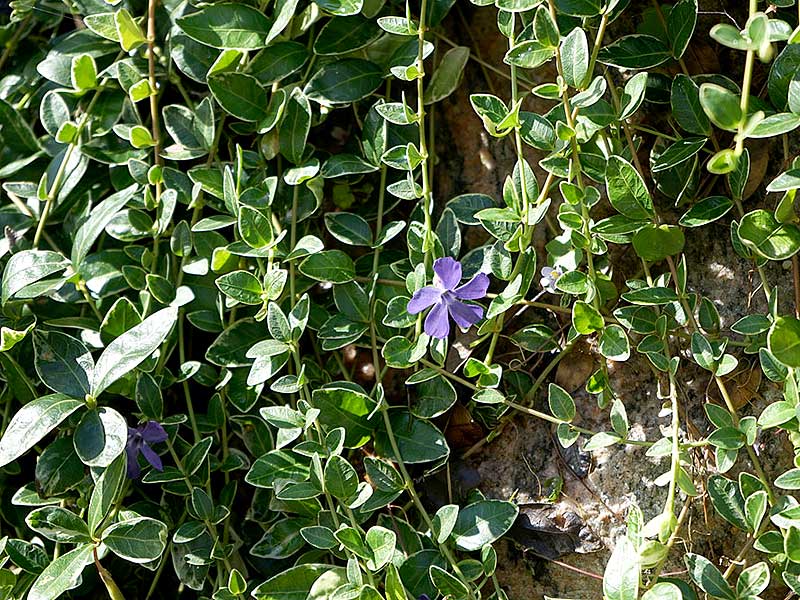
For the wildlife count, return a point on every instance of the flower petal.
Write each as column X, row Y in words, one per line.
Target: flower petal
column 422, row 299
column 465, row 314
column 474, row 289
column 153, row 458
column 133, row 464
column 153, row 432
column 446, row 273
column 437, row 323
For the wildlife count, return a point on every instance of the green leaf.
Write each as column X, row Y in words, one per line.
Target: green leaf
column 138, row 540
column 633, row 95
column 788, row 180
column 341, row 479
column 677, row 153
column 635, row 52
column 349, row 228
column 17, row 134
column 706, row 211
column 32, row 422
column 294, row 130
column 381, row 542
column 516, row 5
column 102, row 24
column 586, row 319
column 621, row 578
column 340, row 165
column 63, row 574
column 293, row 583
column 775, row 125
column 27, row 267
column 333, row 266
column 600, row 440
column 11, row 337
column 241, row 286
column 83, row 73
column 776, row 414
column 444, row 521
column 721, row 105
column 580, row 8
column 227, row 25
column 784, row 70
column 346, row 34
column 528, row 54
column 656, row 242
column 680, row 25
column 708, row 577
column 128, row 31
column 231, row 348
column 341, row 8
column 63, row 363
column 755, row 507
column 729, row 36
column 561, row 403
column 279, row 60
column 100, row 437
column 276, row 465
column 58, row 524
column 491, row 110
column 130, row 349
column 575, row 57
column 663, row 591
column 728, row 500
column 627, row 191
column 686, row 107
column 447, row 76
column 240, row 95
column 344, row 81
column 346, row 407
column 434, row 397
column 651, row 296
column 790, row 480
column 100, row 216
column 482, row 523
column 771, row 239
column 791, row 544
column 448, row 585
column 105, row 492
column 753, row 580
column 614, row 344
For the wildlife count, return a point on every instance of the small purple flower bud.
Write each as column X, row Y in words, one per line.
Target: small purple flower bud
column 139, row 442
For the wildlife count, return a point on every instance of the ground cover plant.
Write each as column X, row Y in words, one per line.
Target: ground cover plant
column 246, row 340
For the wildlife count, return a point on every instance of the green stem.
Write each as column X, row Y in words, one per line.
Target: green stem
column 11, row 44
column 293, row 242
column 186, row 391
column 409, row 484
column 427, row 199
column 212, row 529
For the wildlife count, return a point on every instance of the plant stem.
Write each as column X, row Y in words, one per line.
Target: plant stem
column 427, row 197
column 409, row 484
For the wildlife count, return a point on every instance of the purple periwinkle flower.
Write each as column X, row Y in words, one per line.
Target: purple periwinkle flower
column 446, row 298
column 549, row 278
column 139, row 440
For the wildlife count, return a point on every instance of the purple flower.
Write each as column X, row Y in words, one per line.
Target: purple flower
column 549, row 277
column 139, row 440
column 445, row 298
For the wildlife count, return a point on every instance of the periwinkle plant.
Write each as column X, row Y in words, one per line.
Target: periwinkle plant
column 208, row 208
